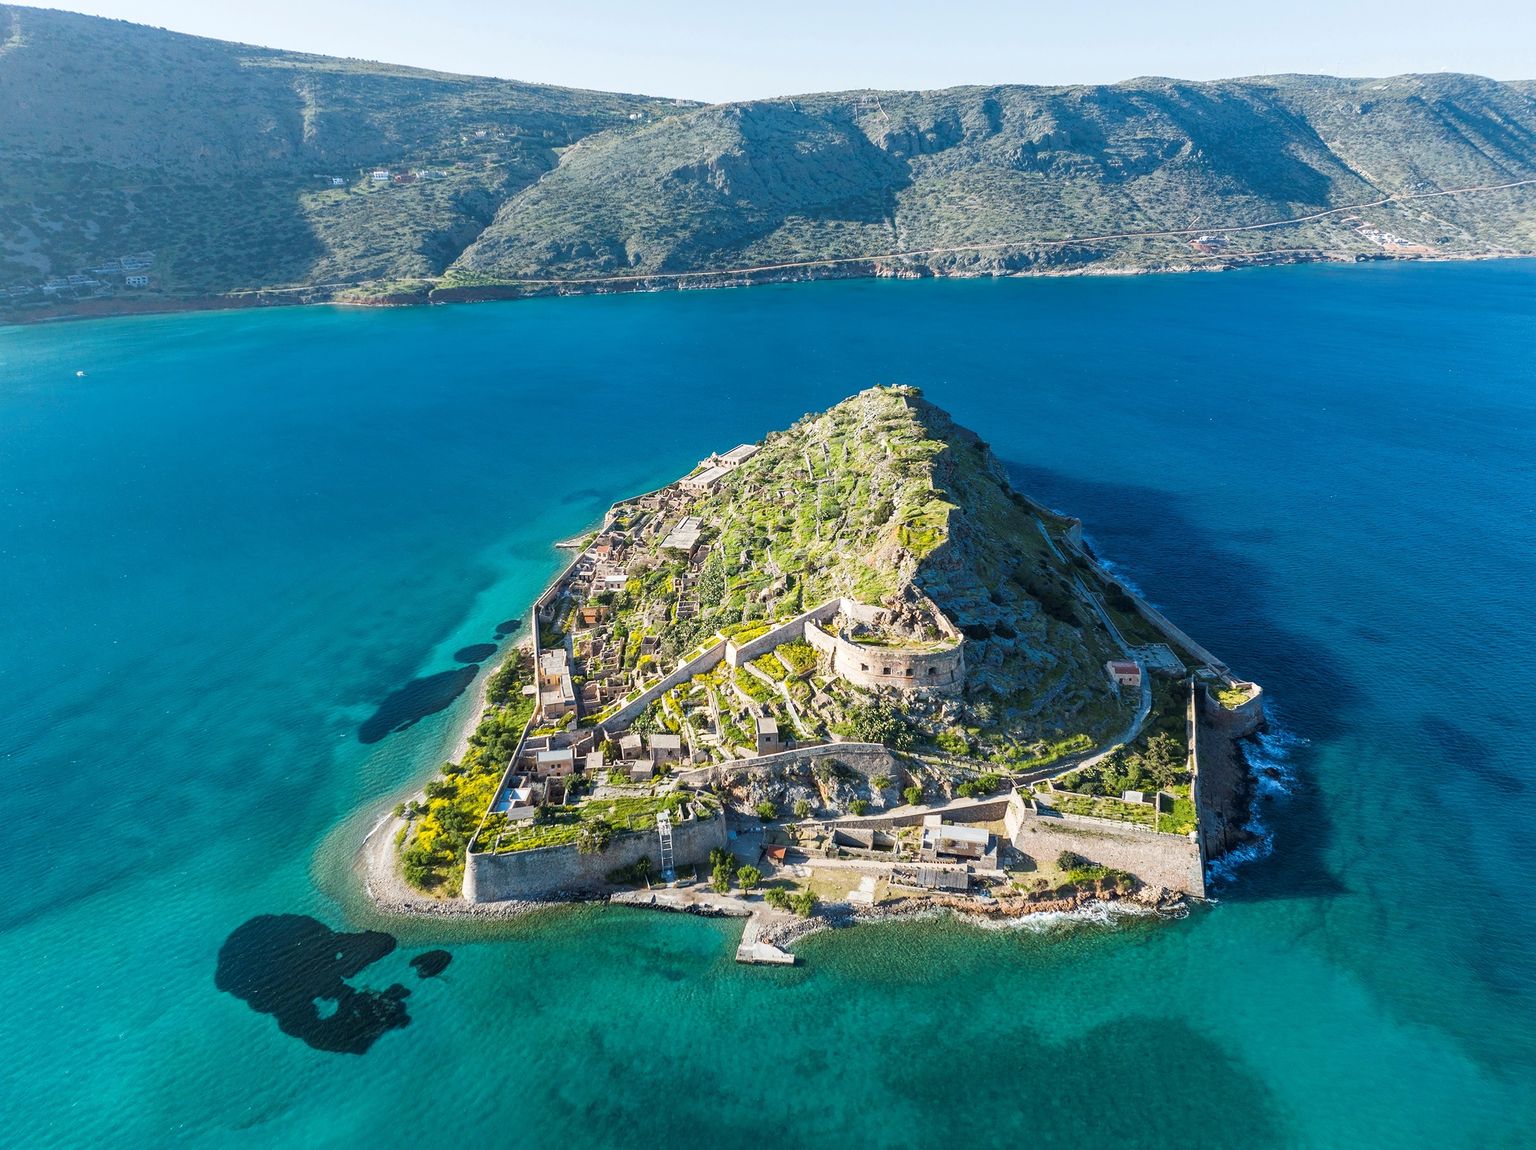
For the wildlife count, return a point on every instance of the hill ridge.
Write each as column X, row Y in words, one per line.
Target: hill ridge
column 225, row 170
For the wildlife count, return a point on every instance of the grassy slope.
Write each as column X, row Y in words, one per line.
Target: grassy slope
column 907, row 496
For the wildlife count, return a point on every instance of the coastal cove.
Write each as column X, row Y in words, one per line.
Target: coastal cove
column 217, row 686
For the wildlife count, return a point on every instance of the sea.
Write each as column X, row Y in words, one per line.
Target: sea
column 251, row 563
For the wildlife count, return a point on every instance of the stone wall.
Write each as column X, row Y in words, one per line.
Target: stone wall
column 942, row 672
column 1159, row 860
column 869, row 759
column 553, row 872
column 784, row 633
column 1235, row 721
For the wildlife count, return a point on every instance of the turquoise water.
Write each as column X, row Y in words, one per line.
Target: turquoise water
column 223, row 547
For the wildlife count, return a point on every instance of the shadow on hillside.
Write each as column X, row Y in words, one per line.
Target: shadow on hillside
column 1206, row 585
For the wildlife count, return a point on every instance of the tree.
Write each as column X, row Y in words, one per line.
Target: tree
column 777, row 897
column 802, row 808
column 803, row 903
column 720, row 877
column 594, row 836
column 748, row 877
column 1161, row 759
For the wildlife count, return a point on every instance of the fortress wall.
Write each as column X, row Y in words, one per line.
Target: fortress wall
column 876, row 667
column 1159, row 860
column 553, row 872
column 631, row 711
column 1235, row 721
column 783, row 633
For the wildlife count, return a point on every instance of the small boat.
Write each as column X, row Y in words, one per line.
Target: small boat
column 79, row 375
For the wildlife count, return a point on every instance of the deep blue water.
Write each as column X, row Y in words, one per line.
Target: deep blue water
column 223, row 547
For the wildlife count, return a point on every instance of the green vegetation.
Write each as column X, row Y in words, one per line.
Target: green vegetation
column 767, row 811
column 748, row 878
column 803, row 808
column 912, row 795
column 1229, row 697
column 439, row 834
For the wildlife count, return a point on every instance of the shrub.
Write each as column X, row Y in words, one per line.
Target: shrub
column 952, row 743
column 766, row 810
column 857, row 807
column 912, row 795
column 803, row 903
column 594, row 836
column 748, row 877
column 777, row 897
column 1070, row 860
column 880, row 782
column 802, row 808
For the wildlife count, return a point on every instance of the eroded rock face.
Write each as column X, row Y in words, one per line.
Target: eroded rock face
column 296, row 969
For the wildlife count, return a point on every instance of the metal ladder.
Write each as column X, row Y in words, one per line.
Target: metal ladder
column 664, row 833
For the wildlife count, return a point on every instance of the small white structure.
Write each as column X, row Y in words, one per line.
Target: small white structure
column 736, row 456
column 1124, row 673
column 136, row 281
column 704, row 480
column 379, row 176
column 768, row 740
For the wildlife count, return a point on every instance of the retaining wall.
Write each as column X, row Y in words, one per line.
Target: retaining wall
column 551, row 872
column 869, row 759
column 1159, row 860
column 783, row 633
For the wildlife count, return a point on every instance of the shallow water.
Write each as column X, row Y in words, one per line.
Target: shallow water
column 232, row 553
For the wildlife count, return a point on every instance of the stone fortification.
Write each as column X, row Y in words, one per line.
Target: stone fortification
column 1160, row 860
column 892, row 668
column 560, row 871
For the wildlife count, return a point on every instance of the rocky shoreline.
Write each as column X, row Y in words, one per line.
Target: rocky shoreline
column 878, row 268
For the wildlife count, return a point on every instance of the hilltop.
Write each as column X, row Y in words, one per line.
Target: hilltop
column 856, row 614
column 221, row 168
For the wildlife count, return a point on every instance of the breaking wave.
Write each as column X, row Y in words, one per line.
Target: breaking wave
column 1269, row 756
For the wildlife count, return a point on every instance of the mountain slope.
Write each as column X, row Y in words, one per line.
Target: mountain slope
column 221, row 168
column 910, row 172
column 219, row 157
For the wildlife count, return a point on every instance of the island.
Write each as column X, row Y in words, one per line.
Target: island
column 846, row 672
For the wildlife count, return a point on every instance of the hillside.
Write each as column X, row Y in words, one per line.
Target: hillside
column 220, row 158
column 221, row 168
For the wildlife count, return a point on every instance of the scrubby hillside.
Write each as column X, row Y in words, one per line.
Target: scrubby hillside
column 219, row 158
column 854, row 174
column 221, row 168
